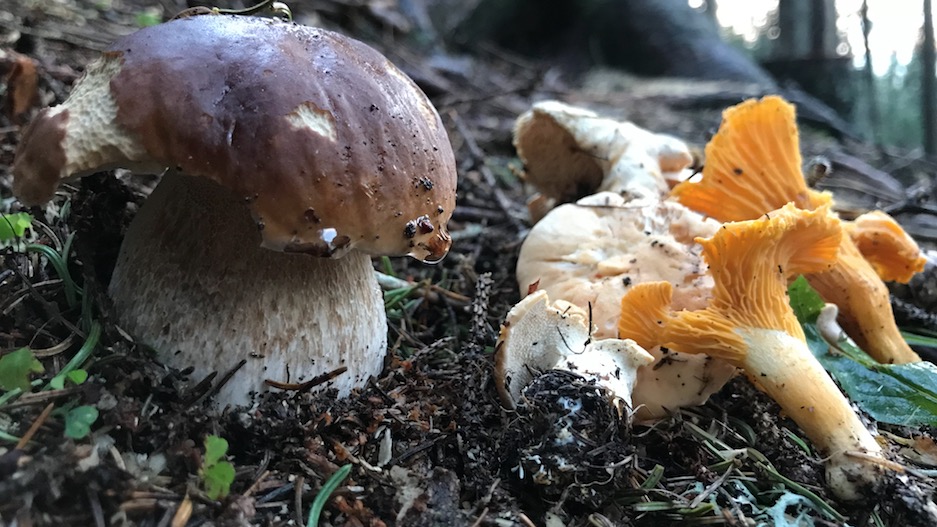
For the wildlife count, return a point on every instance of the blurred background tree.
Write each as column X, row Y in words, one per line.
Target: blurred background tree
column 871, row 61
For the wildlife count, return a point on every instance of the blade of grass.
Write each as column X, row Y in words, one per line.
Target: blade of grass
column 71, row 290
column 388, row 268
column 825, row 507
column 916, row 338
column 83, row 353
column 653, row 477
column 796, row 439
column 327, row 489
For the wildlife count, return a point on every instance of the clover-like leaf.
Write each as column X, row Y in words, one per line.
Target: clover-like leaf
column 78, row 421
column 14, row 225
column 16, row 368
column 216, row 473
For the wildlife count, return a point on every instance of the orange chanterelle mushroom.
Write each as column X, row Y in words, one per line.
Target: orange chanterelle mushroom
column 886, row 246
column 750, row 323
column 753, row 165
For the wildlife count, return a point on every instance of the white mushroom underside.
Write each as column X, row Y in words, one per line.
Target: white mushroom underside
column 633, row 160
column 192, row 282
column 93, row 139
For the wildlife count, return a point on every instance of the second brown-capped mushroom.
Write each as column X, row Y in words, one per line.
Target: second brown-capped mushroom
column 294, row 153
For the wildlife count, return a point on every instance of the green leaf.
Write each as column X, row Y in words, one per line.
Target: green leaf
column 805, row 300
column 215, row 449
column 16, row 367
column 14, row 225
column 78, row 421
column 217, row 474
column 901, row 394
column 78, row 377
column 148, row 18
column 217, row 479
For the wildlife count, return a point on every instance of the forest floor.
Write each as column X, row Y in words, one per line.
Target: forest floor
column 428, row 442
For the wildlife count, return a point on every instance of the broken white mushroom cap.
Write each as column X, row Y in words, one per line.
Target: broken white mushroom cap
column 538, row 336
column 569, row 152
column 295, row 154
column 591, row 252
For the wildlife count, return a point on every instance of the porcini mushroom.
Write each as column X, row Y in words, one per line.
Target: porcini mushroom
column 749, row 322
column 294, row 153
column 589, row 253
column 753, row 166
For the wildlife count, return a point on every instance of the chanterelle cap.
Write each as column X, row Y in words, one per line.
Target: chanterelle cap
column 329, row 144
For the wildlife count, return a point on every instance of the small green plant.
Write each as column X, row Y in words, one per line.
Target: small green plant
column 78, row 421
column 76, row 377
column 217, row 474
column 148, row 17
column 13, row 226
column 16, row 368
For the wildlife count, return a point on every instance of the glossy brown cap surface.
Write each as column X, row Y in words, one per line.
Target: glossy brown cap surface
column 329, row 145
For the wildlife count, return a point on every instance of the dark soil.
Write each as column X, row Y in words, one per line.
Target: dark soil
column 428, row 441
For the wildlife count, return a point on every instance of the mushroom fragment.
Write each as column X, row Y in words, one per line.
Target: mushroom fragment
column 589, row 253
column 753, row 166
column 886, row 246
column 569, row 153
column 538, row 335
column 749, row 322
column 281, row 139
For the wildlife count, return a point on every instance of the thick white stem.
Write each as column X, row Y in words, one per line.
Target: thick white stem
column 783, row 367
column 193, row 282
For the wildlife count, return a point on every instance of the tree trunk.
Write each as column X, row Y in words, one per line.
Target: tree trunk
column 929, row 97
column 805, row 52
column 869, row 76
column 649, row 37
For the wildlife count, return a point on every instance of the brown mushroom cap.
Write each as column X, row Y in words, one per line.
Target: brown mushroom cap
column 329, row 145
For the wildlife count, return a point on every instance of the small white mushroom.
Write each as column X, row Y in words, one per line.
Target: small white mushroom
column 569, row 152
column 538, row 335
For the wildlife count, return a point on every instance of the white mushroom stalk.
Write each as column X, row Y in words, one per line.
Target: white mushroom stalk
column 255, row 246
column 185, row 290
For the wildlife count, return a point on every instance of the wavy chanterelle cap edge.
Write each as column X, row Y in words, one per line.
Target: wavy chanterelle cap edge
column 753, row 167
